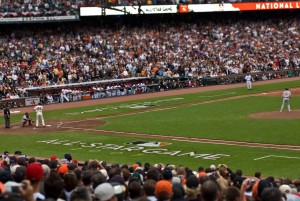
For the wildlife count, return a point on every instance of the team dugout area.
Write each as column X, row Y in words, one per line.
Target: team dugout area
column 130, row 86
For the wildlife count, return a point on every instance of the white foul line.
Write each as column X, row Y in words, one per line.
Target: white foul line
column 276, row 157
column 224, row 94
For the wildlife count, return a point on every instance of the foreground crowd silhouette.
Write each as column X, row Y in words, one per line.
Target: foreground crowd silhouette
column 30, row 179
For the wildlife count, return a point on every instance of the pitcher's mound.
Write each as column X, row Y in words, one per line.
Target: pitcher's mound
column 294, row 114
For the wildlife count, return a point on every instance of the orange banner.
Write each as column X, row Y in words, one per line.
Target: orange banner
column 267, row 5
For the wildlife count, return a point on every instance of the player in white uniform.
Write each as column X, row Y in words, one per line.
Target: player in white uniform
column 39, row 114
column 249, row 80
column 286, row 99
column 63, row 95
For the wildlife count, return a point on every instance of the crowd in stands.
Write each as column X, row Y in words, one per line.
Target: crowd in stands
column 30, row 8
column 26, row 178
column 33, row 56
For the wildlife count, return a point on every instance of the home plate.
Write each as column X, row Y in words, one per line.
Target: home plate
column 48, row 125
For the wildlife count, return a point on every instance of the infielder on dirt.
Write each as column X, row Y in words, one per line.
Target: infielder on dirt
column 39, row 114
column 286, row 99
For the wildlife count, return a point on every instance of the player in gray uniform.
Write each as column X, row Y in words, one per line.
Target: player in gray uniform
column 286, row 99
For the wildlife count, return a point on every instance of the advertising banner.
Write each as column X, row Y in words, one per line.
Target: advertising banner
column 31, row 101
column 266, row 5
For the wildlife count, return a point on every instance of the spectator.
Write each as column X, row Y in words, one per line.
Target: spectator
column 80, row 194
column 178, row 192
column 232, row 194
column 210, row 191
column 34, row 173
column 287, row 190
column 134, row 190
column 192, row 189
column 271, row 194
column 53, row 186
column 149, row 188
column 71, row 183
column 105, row 192
column 163, row 190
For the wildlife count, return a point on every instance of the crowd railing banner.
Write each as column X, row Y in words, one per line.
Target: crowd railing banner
column 38, row 19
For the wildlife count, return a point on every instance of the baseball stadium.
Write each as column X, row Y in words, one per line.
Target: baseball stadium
column 132, row 88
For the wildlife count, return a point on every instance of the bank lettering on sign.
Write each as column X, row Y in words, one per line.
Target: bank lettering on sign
column 141, row 149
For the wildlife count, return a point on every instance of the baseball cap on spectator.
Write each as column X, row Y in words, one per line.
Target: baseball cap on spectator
column 202, row 174
column 75, row 162
column 63, row 169
column 163, row 186
column 192, row 182
column 135, row 166
column 53, row 158
column 167, row 174
column 136, row 177
column 104, row 192
column 18, row 152
column 285, row 189
column 212, row 167
column 34, row 172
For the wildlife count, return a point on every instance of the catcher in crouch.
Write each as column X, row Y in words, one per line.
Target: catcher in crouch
column 26, row 119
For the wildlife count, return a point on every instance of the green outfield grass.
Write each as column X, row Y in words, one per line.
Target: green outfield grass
column 222, row 119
